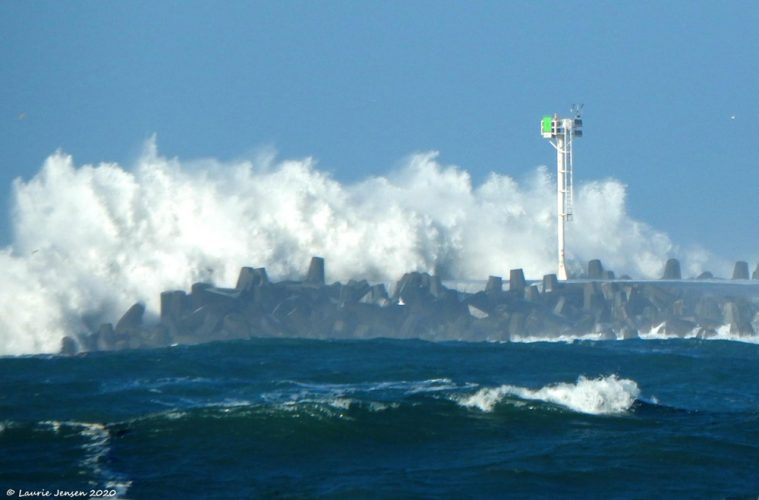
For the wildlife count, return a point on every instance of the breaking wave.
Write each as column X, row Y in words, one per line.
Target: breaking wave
column 601, row 396
column 91, row 240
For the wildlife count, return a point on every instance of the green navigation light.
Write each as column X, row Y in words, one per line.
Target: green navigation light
column 547, row 122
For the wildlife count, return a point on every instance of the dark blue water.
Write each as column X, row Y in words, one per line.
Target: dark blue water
column 381, row 418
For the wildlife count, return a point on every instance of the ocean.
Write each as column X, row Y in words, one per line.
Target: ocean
column 293, row 418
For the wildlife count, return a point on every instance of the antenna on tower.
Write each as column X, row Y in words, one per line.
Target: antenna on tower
column 561, row 133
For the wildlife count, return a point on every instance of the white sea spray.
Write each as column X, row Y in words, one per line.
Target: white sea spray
column 90, row 240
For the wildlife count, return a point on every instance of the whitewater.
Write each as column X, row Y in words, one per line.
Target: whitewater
column 90, row 240
column 601, row 396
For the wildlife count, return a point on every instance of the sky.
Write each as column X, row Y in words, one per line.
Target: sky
column 669, row 91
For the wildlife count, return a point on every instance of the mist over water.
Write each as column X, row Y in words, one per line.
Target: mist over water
column 91, row 240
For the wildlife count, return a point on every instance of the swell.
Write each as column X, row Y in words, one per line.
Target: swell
column 344, row 437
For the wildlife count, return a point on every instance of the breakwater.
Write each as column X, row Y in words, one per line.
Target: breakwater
column 422, row 306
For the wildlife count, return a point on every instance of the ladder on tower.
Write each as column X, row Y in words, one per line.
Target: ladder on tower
column 568, row 187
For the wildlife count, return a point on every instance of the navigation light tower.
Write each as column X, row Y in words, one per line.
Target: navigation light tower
column 561, row 133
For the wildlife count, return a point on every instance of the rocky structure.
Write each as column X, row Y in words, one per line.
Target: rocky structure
column 672, row 270
column 421, row 306
column 740, row 271
column 595, row 270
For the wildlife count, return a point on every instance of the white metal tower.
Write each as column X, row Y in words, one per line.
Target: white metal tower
column 561, row 133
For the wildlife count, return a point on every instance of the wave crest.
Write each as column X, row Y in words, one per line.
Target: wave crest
column 600, row 396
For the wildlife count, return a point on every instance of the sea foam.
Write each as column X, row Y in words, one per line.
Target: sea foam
column 97, row 446
column 600, row 396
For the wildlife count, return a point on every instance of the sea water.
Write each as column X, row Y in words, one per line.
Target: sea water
column 385, row 418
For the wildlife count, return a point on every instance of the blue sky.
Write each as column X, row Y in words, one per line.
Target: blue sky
column 670, row 92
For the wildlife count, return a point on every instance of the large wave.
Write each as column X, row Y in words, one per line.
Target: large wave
column 601, row 396
column 90, row 240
